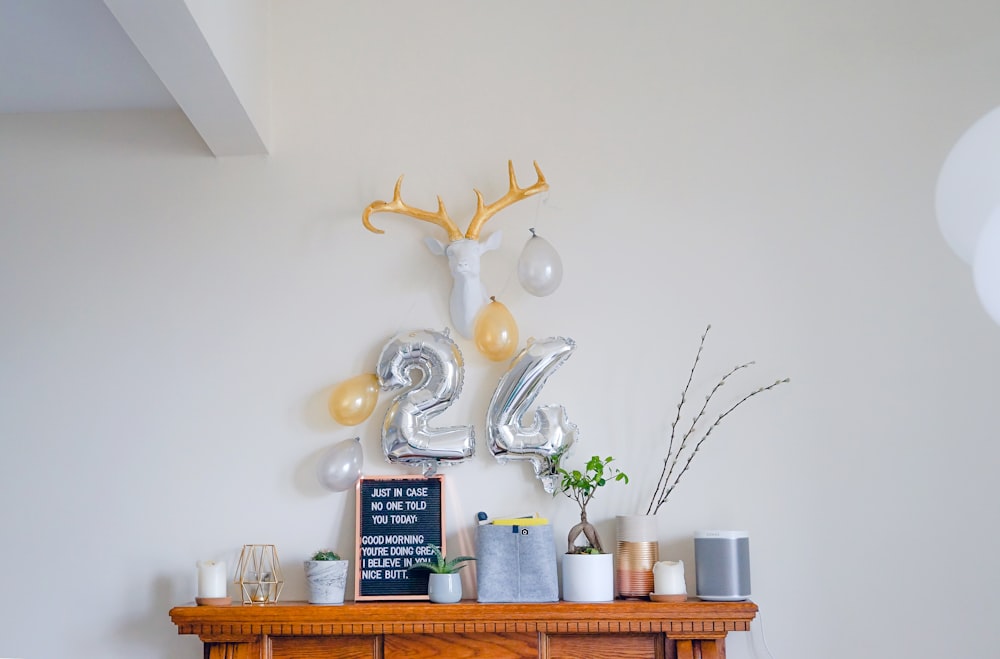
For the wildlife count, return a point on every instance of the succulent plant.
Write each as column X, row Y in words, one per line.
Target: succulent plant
column 442, row 564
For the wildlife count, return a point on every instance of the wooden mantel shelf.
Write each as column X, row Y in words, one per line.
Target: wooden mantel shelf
column 623, row 628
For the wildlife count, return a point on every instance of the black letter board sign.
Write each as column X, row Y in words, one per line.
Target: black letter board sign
column 398, row 516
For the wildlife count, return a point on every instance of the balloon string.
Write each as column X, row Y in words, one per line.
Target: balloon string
column 506, row 284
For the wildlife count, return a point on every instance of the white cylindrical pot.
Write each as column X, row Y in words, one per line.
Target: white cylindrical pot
column 326, row 581
column 445, row 588
column 588, row 577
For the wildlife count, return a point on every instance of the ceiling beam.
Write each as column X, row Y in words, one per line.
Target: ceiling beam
column 212, row 57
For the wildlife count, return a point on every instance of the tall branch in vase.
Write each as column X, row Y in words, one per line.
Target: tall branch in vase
column 677, row 462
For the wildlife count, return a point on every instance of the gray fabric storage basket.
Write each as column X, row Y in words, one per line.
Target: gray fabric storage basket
column 516, row 564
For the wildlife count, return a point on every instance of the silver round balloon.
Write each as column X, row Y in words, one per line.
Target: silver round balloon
column 550, row 433
column 539, row 268
column 407, row 436
column 340, row 465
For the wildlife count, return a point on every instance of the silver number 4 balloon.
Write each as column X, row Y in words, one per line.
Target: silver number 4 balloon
column 550, row 432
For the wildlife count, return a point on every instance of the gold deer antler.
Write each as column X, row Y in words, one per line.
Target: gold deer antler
column 514, row 195
column 441, row 219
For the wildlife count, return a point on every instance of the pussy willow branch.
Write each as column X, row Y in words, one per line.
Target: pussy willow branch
column 698, row 417
column 668, row 465
column 664, row 486
column 708, row 432
column 662, row 482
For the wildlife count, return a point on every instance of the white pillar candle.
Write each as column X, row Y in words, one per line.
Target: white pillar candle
column 211, row 579
column 668, row 578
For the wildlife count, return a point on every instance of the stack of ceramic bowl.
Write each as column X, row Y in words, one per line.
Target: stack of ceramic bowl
column 635, row 555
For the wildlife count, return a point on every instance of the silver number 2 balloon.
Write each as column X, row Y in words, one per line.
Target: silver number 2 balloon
column 550, row 432
column 406, row 434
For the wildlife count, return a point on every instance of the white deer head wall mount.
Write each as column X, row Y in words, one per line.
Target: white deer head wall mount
column 468, row 295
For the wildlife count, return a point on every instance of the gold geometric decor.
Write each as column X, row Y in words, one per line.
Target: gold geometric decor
column 258, row 574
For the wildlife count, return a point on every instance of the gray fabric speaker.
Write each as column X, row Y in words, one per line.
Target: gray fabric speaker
column 722, row 565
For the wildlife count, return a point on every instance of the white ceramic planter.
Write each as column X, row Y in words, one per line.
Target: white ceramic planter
column 326, row 581
column 445, row 588
column 588, row 577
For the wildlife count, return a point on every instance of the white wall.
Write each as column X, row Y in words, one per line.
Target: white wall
column 172, row 323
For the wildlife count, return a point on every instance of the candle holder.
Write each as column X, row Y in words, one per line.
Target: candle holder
column 258, row 574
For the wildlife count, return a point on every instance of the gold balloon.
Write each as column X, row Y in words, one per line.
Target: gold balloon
column 496, row 332
column 352, row 401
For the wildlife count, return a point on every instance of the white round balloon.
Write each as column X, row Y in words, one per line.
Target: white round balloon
column 986, row 266
column 340, row 465
column 539, row 268
column 968, row 186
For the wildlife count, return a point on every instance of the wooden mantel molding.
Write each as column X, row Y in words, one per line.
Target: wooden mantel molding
column 623, row 628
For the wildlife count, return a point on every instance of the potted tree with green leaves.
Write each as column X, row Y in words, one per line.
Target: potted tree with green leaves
column 445, row 583
column 326, row 576
column 588, row 571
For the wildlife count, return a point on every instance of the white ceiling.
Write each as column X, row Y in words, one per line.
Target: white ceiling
column 86, row 55
column 70, row 55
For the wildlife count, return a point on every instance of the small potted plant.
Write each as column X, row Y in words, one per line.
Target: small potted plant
column 588, row 571
column 326, row 576
column 445, row 583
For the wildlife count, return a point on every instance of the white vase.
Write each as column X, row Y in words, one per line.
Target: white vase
column 588, row 577
column 326, row 581
column 445, row 588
